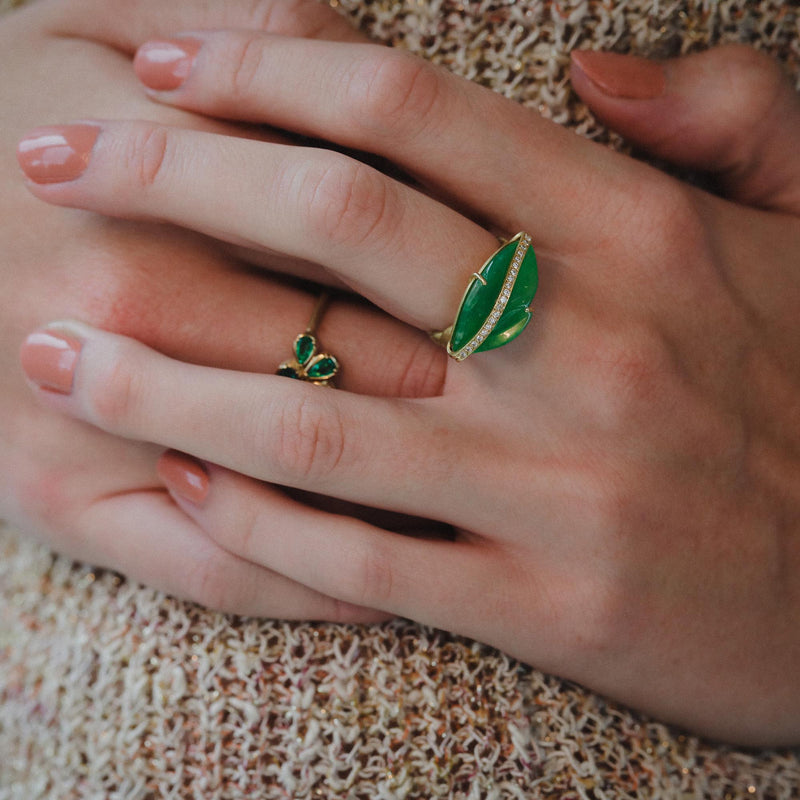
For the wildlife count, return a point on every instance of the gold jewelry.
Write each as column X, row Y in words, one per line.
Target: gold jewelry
column 495, row 307
column 309, row 365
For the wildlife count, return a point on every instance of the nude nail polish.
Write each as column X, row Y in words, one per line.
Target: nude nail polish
column 625, row 77
column 57, row 154
column 184, row 476
column 49, row 359
column 164, row 65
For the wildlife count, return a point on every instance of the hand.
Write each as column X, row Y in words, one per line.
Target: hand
column 623, row 477
column 91, row 495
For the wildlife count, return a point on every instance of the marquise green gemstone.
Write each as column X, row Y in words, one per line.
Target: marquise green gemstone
column 322, row 368
column 479, row 301
column 304, row 346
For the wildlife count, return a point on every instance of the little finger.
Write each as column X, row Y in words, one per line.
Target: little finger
column 428, row 580
column 159, row 545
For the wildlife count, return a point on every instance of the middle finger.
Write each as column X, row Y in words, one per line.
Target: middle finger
column 309, row 203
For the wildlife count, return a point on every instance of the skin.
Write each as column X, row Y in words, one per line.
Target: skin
column 95, row 496
column 623, row 479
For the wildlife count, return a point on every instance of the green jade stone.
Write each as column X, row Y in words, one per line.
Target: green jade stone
column 479, row 301
column 304, row 346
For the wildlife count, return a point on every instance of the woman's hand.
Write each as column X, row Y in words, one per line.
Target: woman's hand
column 624, row 478
column 91, row 495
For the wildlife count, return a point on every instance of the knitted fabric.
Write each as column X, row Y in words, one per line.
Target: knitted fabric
column 112, row 690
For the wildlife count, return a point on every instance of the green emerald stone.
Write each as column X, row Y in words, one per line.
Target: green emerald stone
column 479, row 301
column 304, row 346
column 287, row 372
column 322, row 368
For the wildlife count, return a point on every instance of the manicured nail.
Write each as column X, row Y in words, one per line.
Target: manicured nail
column 49, row 359
column 57, row 154
column 184, row 476
column 165, row 64
column 626, row 77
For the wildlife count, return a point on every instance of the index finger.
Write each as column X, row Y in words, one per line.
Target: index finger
column 506, row 162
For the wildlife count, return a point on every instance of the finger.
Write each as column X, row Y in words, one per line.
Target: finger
column 161, row 546
column 287, row 432
column 427, row 580
column 519, row 171
column 125, row 24
column 309, row 203
column 184, row 311
column 730, row 111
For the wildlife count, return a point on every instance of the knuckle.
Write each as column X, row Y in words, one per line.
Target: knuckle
column 753, row 76
column 664, row 212
column 374, row 577
column 678, row 226
column 612, row 497
column 627, row 527
column 309, row 440
column 673, row 204
column 146, row 154
column 48, row 499
column 606, row 614
column 347, row 202
column 260, row 14
column 760, row 92
column 115, row 392
column 305, row 19
column 613, row 509
column 209, row 582
column 281, row 16
column 421, row 372
column 246, row 64
column 627, row 376
column 709, row 436
column 391, row 93
column 343, row 613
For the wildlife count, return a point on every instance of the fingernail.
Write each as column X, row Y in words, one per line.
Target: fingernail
column 626, row 77
column 164, row 65
column 49, row 359
column 184, row 476
column 57, row 154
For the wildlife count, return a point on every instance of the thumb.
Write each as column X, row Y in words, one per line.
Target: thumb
column 730, row 111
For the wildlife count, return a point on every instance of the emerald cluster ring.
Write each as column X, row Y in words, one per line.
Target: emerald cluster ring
column 309, row 363
column 496, row 306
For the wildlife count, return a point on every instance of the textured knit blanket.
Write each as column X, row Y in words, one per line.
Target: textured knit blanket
column 111, row 690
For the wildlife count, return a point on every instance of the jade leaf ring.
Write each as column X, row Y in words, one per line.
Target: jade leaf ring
column 495, row 308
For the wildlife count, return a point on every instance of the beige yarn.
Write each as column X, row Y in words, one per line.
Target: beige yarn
column 111, row 690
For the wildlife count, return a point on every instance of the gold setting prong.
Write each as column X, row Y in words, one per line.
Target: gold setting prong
column 479, row 277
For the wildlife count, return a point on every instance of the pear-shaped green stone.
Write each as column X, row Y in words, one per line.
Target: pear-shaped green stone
column 322, row 368
column 304, row 346
column 286, row 371
column 479, row 301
